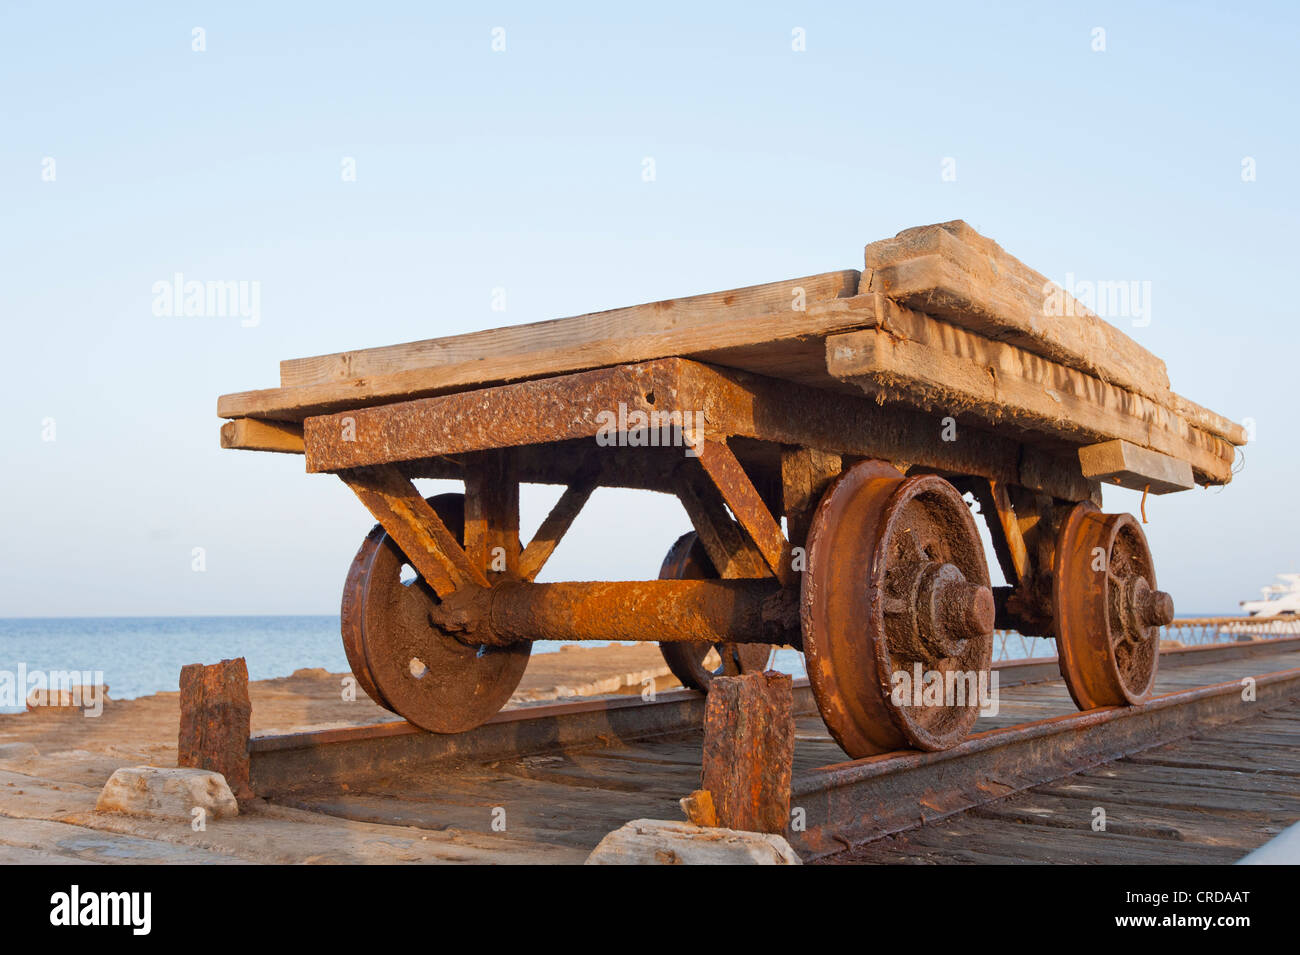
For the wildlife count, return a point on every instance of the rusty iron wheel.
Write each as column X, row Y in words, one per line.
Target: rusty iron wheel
column 1108, row 610
column 896, row 583
column 401, row 659
column 689, row 662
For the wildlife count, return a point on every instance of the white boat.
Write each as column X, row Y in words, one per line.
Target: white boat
column 1280, row 600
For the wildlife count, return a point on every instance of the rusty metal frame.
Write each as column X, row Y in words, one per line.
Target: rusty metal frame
column 734, row 404
column 409, row 519
column 494, row 437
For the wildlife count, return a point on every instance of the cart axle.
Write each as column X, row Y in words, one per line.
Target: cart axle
column 698, row 611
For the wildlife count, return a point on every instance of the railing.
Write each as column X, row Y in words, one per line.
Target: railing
column 1186, row 631
column 1014, row 645
column 1199, row 631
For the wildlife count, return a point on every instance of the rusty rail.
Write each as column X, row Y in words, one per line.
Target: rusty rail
column 282, row 763
column 850, row 803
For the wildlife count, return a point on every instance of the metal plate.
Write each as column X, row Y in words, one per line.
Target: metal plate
column 405, row 663
column 877, row 545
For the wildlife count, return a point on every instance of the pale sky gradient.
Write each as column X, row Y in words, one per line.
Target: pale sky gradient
column 522, row 170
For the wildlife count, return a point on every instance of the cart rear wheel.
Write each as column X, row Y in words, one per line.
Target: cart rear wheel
column 695, row 664
column 401, row 659
column 896, row 588
column 1108, row 610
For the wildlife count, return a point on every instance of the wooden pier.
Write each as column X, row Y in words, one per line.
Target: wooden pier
column 1204, row 772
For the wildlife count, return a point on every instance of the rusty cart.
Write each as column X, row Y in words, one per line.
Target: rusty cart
column 829, row 438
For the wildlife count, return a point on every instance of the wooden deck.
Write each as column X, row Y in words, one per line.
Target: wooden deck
column 1210, row 797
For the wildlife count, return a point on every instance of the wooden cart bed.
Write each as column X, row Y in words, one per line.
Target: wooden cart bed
column 941, row 322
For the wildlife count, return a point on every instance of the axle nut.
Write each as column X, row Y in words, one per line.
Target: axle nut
column 1156, row 608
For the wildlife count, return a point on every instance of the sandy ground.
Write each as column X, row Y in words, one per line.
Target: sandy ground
column 54, row 763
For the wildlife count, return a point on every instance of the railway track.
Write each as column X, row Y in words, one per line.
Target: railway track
column 565, row 774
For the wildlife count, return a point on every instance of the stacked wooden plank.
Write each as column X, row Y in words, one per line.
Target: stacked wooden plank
column 941, row 318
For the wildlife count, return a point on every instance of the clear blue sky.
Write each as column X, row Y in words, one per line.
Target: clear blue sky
column 522, row 170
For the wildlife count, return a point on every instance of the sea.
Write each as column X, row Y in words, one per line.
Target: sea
column 136, row 656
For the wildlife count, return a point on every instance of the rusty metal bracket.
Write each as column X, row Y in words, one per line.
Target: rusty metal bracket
column 556, row 525
column 412, row 523
column 730, row 550
column 747, row 504
column 492, row 514
column 805, row 475
column 1004, row 530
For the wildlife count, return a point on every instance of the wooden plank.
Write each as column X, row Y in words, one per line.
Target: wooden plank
column 771, row 333
column 602, row 330
column 1222, row 828
column 730, row 550
column 950, row 270
column 1125, row 464
column 251, row 434
column 921, row 361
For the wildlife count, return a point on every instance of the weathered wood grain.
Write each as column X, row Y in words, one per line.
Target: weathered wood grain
column 1125, row 464
column 607, row 331
column 252, row 434
column 951, row 271
column 916, row 359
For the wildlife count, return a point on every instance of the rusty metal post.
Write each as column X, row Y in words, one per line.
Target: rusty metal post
column 749, row 750
column 215, row 722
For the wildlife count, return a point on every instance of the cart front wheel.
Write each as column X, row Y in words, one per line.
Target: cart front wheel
column 405, row 663
column 896, row 612
column 1107, row 608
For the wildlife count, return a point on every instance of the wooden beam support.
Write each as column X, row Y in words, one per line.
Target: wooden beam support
column 919, row 361
column 1004, row 529
column 215, row 722
column 749, row 751
column 1127, row 465
column 805, row 475
column 733, row 403
column 250, row 434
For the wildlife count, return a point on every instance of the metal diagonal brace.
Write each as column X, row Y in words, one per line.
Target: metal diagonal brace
column 745, row 502
column 415, row 527
column 555, row 526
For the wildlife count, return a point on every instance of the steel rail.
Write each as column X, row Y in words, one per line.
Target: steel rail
column 848, row 804
column 286, row 762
